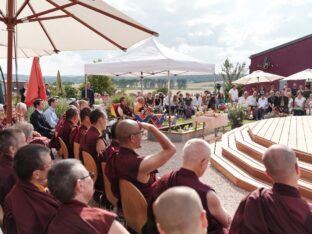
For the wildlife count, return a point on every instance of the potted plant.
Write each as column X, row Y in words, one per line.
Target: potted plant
column 236, row 114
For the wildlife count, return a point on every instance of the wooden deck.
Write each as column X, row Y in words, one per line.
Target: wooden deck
column 239, row 154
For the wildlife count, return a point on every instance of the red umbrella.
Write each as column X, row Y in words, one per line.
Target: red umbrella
column 36, row 87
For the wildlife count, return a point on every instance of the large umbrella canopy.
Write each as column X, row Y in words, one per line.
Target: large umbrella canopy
column 258, row 77
column 59, row 25
column 303, row 75
column 36, row 87
column 149, row 57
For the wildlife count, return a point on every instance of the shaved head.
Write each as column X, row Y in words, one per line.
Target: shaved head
column 179, row 210
column 280, row 162
column 125, row 129
column 196, row 155
column 195, row 151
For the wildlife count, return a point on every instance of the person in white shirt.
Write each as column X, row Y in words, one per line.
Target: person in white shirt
column 233, row 94
column 197, row 101
column 50, row 114
column 262, row 106
column 243, row 100
column 252, row 105
column 166, row 103
column 299, row 104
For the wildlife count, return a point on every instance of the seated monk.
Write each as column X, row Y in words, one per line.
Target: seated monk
column 93, row 142
column 28, row 207
column 113, row 147
column 129, row 165
column 179, row 210
column 77, row 135
column 70, row 123
column 72, row 185
column 196, row 155
column 279, row 209
column 10, row 141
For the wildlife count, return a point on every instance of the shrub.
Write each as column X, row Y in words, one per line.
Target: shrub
column 236, row 114
column 71, row 92
column 163, row 90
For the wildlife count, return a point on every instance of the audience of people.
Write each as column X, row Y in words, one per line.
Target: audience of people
column 39, row 197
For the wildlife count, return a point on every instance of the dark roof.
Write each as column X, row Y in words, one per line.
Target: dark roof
column 281, row 46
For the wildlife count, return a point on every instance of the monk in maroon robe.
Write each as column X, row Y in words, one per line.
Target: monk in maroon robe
column 113, row 147
column 10, row 141
column 196, row 155
column 28, row 207
column 279, row 209
column 68, row 126
column 128, row 165
column 84, row 126
column 72, row 184
column 93, row 143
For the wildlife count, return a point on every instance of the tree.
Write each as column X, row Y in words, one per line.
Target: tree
column 231, row 73
column 101, row 83
column 59, row 85
column 70, row 91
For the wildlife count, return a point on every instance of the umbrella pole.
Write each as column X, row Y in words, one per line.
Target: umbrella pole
column 169, row 121
column 142, row 83
column 86, row 86
column 10, row 28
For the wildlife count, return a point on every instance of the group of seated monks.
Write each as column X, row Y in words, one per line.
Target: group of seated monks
column 41, row 195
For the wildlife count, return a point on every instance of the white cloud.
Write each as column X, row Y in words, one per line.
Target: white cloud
column 210, row 30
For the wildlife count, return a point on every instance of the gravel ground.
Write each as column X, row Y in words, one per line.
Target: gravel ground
column 229, row 194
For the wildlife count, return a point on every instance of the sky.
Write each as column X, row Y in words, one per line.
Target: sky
column 210, row 30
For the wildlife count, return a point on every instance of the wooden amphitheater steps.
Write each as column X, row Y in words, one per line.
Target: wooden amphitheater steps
column 294, row 131
column 238, row 158
column 245, row 144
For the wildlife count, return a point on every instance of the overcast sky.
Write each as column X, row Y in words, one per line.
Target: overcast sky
column 211, row 30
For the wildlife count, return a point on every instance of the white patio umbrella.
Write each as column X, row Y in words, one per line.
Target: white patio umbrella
column 257, row 77
column 63, row 25
column 303, row 75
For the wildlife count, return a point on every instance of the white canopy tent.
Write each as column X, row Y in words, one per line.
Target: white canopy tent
column 150, row 58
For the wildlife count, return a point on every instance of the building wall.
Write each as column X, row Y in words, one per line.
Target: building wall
column 287, row 60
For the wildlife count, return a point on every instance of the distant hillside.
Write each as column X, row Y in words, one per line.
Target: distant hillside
column 80, row 79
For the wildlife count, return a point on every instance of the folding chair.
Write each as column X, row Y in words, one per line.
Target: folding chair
column 107, row 186
column 63, row 151
column 76, row 150
column 134, row 205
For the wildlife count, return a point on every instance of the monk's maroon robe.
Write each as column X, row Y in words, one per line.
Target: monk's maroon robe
column 82, row 130
column 125, row 165
column 27, row 210
column 88, row 144
column 54, row 143
column 277, row 210
column 111, row 150
column 64, row 133
column 7, row 176
column 78, row 218
column 183, row 177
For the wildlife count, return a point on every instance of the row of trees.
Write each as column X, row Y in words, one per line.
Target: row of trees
column 149, row 83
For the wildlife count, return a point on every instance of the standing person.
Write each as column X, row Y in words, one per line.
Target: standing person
column 233, row 94
column 28, row 207
column 23, row 91
column 72, row 185
column 50, row 114
column 48, row 92
column 129, row 165
column 90, row 94
column 279, row 209
column 171, row 208
column 38, row 120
